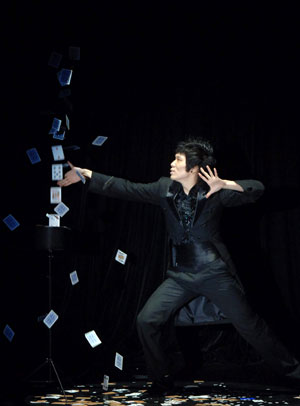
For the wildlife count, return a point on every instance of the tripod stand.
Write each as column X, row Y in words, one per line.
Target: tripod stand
column 50, row 239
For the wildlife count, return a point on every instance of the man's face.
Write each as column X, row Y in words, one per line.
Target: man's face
column 178, row 168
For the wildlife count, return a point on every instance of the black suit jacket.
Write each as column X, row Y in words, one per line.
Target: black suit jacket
column 208, row 212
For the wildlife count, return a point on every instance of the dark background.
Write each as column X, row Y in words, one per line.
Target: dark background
column 148, row 76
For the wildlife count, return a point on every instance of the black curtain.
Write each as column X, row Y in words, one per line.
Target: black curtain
column 145, row 80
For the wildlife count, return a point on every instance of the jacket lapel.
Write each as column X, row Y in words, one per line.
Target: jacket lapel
column 201, row 200
column 171, row 195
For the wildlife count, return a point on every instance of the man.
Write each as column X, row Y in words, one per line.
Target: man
column 192, row 200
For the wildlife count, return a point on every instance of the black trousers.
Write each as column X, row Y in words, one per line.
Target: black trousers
column 157, row 333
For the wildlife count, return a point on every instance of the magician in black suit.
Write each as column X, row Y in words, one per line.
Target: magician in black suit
column 192, row 199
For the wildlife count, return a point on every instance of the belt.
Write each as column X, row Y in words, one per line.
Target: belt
column 195, row 254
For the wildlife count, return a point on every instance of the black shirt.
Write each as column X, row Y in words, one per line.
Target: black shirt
column 186, row 206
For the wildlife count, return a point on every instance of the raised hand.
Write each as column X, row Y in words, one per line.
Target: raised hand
column 212, row 179
column 70, row 176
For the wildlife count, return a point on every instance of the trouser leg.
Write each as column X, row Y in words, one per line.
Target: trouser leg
column 226, row 294
column 153, row 320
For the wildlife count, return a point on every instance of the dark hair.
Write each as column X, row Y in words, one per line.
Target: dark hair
column 198, row 151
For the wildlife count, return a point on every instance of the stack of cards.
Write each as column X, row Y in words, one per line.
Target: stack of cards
column 54, row 220
column 11, row 222
column 92, row 338
column 121, row 257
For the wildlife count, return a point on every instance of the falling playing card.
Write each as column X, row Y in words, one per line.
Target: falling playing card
column 105, row 382
column 121, row 257
column 33, row 155
column 74, row 277
column 50, row 319
column 67, row 122
column 11, row 222
column 118, row 361
column 59, row 135
column 58, row 153
column 61, row 209
column 92, row 338
column 8, row 332
column 57, row 172
column 64, row 76
column 99, row 141
column 56, row 123
column 55, row 194
column 54, row 220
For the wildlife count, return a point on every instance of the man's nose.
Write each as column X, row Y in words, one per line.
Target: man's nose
column 173, row 163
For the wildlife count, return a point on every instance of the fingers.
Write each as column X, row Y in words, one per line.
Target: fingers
column 70, row 165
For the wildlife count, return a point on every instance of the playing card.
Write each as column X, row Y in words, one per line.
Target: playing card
column 55, row 194
column 82, row 178
column 58, row 153
column 74, row 277
column 118, row 361
column 11, row 222
column 64, row 76
column 61, row 209
column 59, row 135
column 55, row 60
column 54, row 220
column 105, row 382
column 67, row 122
column 92, row 338
column 121, row 257
column 57, row 172
column 8, row 332
column 56, row 123
column 50, row 319
column 99, row 140
column 33, row 155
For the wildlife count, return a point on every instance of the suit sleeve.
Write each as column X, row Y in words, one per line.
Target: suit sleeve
column 111, row 186
column 253, row 189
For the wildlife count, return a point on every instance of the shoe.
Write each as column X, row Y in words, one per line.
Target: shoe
column 162, row 387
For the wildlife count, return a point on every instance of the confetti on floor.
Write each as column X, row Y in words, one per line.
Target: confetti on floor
column 195, row 393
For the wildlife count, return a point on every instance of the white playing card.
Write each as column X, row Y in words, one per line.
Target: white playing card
column 50, row 319
column 58, row 153
column 100, row 140
column 57, row 172
column 118, row 361
column 92, row 338
column 74, row 277
column 61, row 209
column 55, row 194
column 105, row 382
column 121, row 257
column 54, row 220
